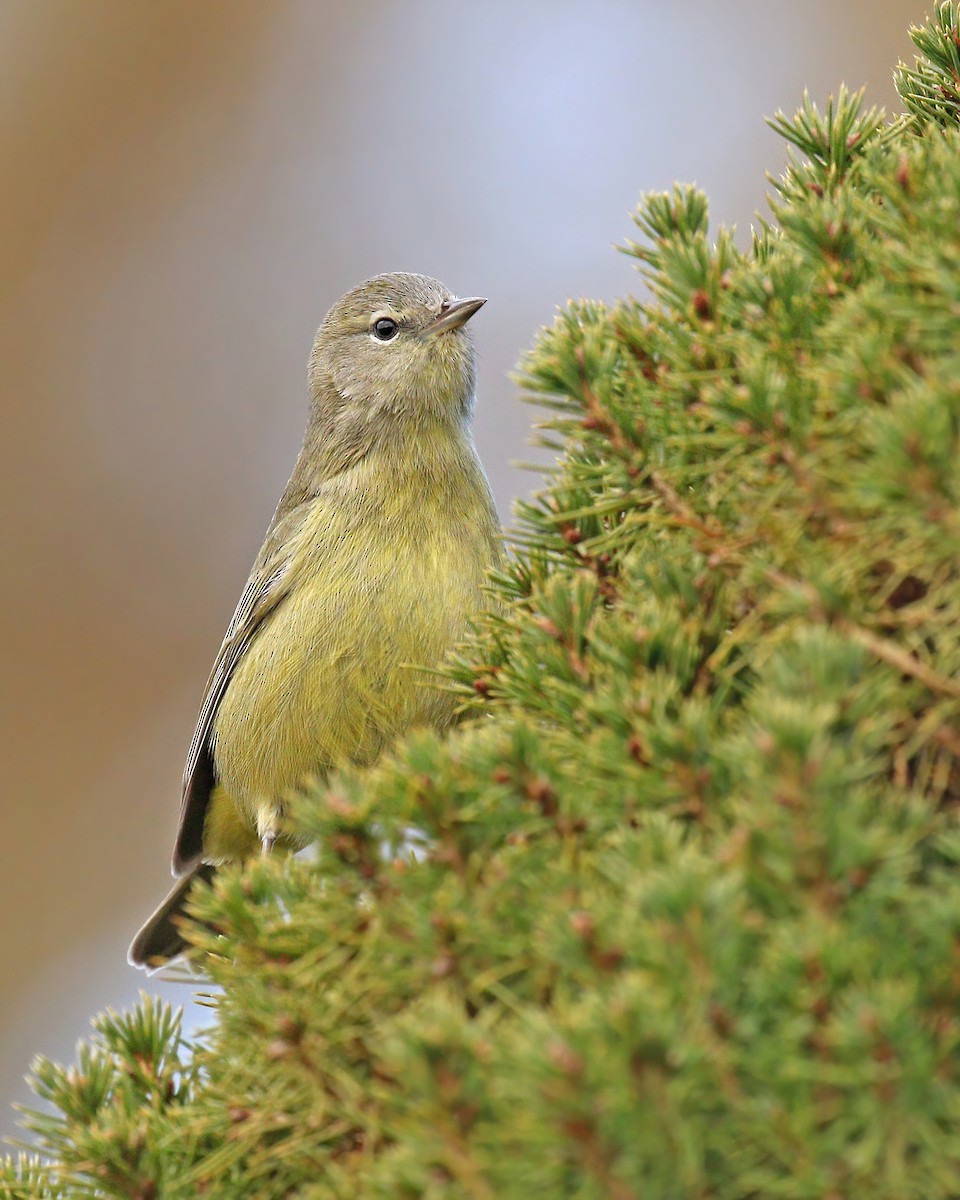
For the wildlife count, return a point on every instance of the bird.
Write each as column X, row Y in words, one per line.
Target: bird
column 372, row 569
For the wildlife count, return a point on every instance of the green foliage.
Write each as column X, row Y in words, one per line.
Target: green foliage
column 678, row 912
column 931, row 88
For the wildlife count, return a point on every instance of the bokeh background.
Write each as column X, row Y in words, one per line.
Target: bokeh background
column 187, row 188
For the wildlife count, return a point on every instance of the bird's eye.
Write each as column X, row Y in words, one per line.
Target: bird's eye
column 385, row 329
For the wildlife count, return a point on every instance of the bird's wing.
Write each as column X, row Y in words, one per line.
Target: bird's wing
column 267, row 587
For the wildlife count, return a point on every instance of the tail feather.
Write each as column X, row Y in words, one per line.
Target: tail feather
column 160, row 939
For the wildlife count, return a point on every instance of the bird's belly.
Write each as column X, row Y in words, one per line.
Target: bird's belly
column 332, row 676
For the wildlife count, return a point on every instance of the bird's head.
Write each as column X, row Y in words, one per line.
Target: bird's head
column 396, row 346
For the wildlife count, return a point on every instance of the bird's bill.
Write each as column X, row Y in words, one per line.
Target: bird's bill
column 455, row 314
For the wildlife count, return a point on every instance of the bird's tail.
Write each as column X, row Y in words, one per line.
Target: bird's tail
column 160, row 939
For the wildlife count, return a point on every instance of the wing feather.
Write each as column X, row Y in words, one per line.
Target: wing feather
column 266, row 588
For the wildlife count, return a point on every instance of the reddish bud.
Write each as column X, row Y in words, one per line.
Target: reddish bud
column 580, row 1129
column 290, row 1029
column 582, row 924
column 765, row 743
column 610, row 959
column 721, row 1020
column 443, row 966
column 540, row 791
column 637, row 750
column 566, row 1059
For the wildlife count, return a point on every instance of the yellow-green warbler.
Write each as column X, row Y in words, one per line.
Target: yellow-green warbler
column 371, row 568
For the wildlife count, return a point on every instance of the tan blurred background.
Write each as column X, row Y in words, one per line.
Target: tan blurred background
column 188, row 187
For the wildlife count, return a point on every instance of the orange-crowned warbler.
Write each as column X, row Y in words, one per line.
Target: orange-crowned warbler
column 372, row 567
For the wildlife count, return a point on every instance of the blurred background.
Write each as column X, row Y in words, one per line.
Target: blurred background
column 189, row 187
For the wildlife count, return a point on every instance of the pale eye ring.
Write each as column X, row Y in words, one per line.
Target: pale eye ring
column 384, row 329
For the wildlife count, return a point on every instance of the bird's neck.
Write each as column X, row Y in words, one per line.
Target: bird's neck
column 426, row 447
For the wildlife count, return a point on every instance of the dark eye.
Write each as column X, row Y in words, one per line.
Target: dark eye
column 385, row 329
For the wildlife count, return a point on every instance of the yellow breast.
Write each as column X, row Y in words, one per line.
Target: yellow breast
column 382, row 586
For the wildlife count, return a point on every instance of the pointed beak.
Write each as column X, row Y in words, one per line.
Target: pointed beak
column 453, row 315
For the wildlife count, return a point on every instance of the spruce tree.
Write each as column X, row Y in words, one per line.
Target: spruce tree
column 676, row 912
